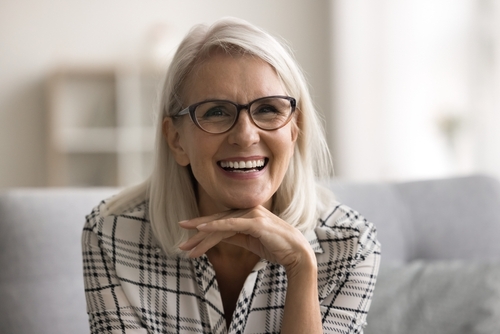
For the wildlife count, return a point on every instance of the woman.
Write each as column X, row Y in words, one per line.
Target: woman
column 231, row 233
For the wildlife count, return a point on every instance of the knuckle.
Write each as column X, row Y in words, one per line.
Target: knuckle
column 260, row 222
column 232, row 221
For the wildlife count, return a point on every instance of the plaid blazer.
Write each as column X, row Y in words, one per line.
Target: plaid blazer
column 131, row 286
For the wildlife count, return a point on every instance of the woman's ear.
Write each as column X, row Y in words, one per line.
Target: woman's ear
column 172, row 136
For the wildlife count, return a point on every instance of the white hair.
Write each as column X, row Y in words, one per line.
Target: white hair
column 171, row 187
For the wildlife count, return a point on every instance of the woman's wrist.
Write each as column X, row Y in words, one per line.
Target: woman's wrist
column 305, row 265
column 302, row 312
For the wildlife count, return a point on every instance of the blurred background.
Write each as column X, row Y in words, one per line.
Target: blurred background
column 408, row 89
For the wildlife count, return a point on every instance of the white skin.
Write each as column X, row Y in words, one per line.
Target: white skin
column 236, row 227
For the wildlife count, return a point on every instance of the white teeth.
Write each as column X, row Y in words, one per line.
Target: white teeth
column 242, row 164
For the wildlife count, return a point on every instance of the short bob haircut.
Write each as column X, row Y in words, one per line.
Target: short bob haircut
column 171, row 189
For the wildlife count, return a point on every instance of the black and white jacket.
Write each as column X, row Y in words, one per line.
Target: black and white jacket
column 131, row 286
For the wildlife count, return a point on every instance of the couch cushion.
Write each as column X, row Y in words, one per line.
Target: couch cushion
column 380, row 203
column 442, row 297
column 41, row 281
column 456, row 218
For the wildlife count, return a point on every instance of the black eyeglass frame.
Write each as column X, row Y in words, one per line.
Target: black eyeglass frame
column 239, row 107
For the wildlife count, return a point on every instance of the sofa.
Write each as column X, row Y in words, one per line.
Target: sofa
column 440, row 269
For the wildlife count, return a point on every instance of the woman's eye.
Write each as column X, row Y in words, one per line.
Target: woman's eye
column 215, row 112
column 267, row 110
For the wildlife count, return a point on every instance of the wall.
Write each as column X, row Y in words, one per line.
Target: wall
column 38, row 36
column 415, row 88
column 408, row 88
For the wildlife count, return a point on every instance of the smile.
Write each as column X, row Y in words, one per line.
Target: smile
column 243, row 166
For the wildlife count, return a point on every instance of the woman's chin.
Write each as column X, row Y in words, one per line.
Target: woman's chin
column 234, row 198
column 248, row 203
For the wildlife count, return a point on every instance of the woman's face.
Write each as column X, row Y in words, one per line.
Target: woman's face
column 241, row 79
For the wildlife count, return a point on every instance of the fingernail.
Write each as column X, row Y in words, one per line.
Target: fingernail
column 183, row 222
column 201, row 226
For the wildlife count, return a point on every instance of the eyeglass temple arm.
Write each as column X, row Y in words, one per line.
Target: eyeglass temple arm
column 184, row 111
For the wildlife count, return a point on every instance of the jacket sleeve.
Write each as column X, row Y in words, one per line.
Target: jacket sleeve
column 349, row 269
column 108, row 308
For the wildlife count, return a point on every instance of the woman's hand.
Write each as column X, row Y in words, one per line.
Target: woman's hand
column 263, row 233
column 257, row 230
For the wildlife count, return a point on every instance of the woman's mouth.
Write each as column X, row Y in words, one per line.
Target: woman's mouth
column 244, row 166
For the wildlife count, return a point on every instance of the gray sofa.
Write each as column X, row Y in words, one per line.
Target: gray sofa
column 440, row 268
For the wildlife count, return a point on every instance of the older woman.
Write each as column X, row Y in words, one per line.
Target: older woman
column 231, row 233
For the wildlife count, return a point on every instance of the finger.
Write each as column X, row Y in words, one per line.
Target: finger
column 250, row 226
column 193, row 241
column 208, row 242
column 193, row 223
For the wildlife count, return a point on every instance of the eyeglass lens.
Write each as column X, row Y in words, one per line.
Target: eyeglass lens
column 219, row 116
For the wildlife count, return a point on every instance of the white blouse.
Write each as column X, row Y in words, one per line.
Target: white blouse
column 131, row 286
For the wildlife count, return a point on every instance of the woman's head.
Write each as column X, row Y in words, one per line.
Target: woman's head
column 206, row 49
column 214, row 91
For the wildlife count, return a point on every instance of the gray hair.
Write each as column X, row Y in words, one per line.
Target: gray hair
column 170, row 187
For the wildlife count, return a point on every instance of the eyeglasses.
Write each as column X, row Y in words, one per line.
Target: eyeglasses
column 219, row 116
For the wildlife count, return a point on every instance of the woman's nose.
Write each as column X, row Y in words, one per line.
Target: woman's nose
column 244, row 133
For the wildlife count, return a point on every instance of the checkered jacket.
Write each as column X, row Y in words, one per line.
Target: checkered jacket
column 131, row 286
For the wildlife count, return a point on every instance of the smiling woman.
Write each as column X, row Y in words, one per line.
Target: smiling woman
column 241, row 78
column 231, row 233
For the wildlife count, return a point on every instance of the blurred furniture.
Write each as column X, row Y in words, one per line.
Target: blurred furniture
column 440, row 270
column 100, row 125
column 41, row 281
column 440, row 256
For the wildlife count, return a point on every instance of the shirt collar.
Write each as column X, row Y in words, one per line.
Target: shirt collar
column 312, row 237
